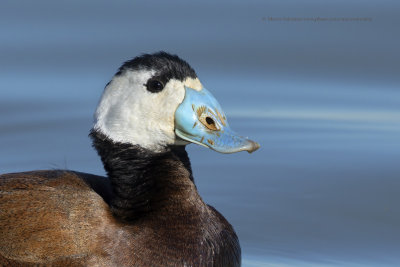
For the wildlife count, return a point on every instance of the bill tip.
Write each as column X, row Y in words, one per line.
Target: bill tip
column 253, row 147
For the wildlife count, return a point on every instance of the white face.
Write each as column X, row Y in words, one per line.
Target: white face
column 129, row 113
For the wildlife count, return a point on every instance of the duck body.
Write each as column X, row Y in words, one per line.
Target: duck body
column 75, row 219
column 147, row 211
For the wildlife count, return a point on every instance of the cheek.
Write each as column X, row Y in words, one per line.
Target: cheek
column 168, row 101
column 171, row 97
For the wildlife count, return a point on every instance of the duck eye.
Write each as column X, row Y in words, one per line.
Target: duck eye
column 154, row 86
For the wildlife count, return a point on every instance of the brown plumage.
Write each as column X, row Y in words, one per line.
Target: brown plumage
column 62, row 218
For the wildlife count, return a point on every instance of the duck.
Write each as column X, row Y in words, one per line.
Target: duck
column 147, row 210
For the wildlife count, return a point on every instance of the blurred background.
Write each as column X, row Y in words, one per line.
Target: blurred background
column 315, row 82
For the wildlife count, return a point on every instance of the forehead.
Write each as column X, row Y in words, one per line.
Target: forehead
column 163, row 65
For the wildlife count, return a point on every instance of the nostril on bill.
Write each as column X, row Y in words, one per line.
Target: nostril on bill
column 209, row 121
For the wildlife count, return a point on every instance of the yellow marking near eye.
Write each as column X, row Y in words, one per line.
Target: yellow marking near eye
column 211, row 142
column 209, row 110
column 193, row 107
column 200, row 111
column 202, row 139
column 194, row 125
column 221, row 118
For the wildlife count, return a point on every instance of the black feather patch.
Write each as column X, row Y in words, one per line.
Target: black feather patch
column 132, row 170
column 167, row 66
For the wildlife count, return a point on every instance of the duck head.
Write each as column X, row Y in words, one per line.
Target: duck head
column 156, row 100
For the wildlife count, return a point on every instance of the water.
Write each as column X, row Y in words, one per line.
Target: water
column 321, row 98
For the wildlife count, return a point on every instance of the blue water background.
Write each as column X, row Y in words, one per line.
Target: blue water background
column 322, row 99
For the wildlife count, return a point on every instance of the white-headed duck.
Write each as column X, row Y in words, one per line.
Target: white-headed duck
column 147, row 211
